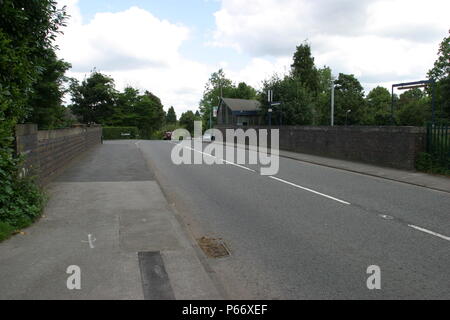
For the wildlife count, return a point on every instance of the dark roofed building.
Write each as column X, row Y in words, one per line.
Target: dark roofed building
column 239, row 112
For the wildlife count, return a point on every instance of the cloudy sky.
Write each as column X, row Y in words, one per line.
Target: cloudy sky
column 170, row 47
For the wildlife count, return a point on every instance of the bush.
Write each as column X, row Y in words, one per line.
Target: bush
column 119, row 133
column 428, row 163
column 5, row 231
column 21, row 200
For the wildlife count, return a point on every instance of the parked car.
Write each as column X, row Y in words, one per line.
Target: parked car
column 168, row 135
column 208, row 138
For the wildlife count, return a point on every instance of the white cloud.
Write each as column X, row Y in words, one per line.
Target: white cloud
column 378, row 41
column 135, row 48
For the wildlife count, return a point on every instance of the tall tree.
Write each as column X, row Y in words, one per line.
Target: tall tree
column 171, row 116
column 349, row 98
column 413, row 108
column 378, row 107
column 441, row 74
column 187, row 121
column 322, row 103
column 243, row 91
column 27, row 28
column 94, row 99
column 217, row 86
column 48, row 91
column 296, row 101
column 151, row 114
column 304, row 69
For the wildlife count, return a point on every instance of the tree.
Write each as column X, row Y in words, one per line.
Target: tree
column 187, row 121
column 243, row 91
column 27, row 28
column 441, row 74
column 125, row 108
column 349, row 96
column 94, row 99
column 171, row 116
column 46, row 99
column 150, row 114
column 217, row 86
column 322, row 103
column 378, row 107
column 413, row 108
column 296, row 101
column 304, row 69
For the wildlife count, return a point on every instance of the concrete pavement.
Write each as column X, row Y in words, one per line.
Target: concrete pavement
column 107, row 215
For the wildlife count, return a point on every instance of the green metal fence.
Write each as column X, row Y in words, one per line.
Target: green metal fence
column 438, row 143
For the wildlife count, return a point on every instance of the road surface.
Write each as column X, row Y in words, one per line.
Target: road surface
column 311, row 232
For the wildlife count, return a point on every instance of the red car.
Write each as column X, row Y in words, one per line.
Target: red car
column 168, row 135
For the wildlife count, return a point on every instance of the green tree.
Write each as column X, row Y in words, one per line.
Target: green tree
column 125, row 114
column 27, row 28
column 94, row 99
column 217, row 86
column 322, row 103
column 46, row 98
column 187, row 121
column 296, row 101
column 413, row 108
column 304, row 69
column 243, row 91
column 150, row 115
column 171, row 116
column 378, row 107
column 349, row 96
column 441, row 74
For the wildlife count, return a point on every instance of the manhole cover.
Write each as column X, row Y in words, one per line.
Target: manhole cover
column 213, row 248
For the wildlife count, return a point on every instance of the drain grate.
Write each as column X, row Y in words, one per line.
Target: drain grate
column 213, row 248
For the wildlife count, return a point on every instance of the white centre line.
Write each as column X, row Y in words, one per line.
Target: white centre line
column 321, row 194
column 210, row 155
column 429, row 232
column 310, row 190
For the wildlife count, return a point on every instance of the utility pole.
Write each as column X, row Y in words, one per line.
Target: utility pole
column 270, row 99
column 332, row 102
column 210, row 117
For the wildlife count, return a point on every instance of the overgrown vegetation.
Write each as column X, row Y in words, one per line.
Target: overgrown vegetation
column 30, row 76
column 429, row 163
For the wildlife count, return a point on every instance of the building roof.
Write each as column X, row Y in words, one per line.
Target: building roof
column 242, row 104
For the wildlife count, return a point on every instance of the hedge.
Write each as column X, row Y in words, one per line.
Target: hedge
column 118, row 133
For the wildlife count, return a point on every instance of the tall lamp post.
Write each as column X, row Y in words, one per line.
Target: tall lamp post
column 346, row 116
column 332, row 102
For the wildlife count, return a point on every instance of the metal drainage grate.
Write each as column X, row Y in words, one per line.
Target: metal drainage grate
column 213, row 248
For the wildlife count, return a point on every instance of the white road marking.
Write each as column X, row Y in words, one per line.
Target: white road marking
column 429, row 232
column 210, row 155
column 386, row 217
column 91, row 241
column 310, row 190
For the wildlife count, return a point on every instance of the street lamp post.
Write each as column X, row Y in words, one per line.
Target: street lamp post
column 346, row 116
column 332, row 102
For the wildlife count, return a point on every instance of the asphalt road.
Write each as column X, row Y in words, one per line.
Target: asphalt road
column 311, row 231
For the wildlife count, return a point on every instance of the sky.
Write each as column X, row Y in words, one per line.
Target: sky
column 171, row 47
